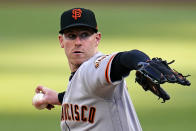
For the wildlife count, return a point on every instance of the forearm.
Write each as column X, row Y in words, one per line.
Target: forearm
column 124, row 62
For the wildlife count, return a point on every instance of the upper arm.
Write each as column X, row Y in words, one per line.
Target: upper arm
column 97, row 75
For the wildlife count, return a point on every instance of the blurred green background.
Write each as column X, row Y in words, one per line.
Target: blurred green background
column 30, row 55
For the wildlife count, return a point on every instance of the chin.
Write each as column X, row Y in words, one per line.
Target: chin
column 79, row 62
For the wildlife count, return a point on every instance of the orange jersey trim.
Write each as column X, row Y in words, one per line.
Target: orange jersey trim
column 107, row 70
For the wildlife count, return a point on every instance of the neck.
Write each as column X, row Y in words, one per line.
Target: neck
column 74, row 67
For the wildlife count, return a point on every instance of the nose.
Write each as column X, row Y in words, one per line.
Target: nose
column 78, row 41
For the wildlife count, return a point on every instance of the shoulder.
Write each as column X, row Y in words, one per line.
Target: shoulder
column 100, row 59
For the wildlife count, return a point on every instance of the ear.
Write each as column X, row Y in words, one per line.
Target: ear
column 98, row 38
column 61, row 40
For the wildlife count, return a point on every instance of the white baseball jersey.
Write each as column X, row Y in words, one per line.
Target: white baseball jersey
column 93, row 102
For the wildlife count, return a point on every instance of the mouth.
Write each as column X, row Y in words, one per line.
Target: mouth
column 77, row 52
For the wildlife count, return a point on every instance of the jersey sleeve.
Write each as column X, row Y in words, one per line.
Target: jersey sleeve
column 96, row 72
column 108, row 71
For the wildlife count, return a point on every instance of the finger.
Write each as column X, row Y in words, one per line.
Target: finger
column 165, row 70
column 169, row 75
column 157, row 90
column 153, row 73
column 181, row 79
column 40, row 89
column 38, row 103
column 163, row 94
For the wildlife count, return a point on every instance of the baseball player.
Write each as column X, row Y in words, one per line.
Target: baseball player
column 96, row 97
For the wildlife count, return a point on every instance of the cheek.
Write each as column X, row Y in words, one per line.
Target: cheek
column 92, row 43
column 67, row 48
column 91, row 47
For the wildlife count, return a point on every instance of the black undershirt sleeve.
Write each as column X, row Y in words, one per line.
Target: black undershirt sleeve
column 124, row 62
column 60, row 96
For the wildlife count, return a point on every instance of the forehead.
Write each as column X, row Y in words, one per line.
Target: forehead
column 78, row 29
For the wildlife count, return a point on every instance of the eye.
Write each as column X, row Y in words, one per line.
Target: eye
column 71, row 36
column 84, row 35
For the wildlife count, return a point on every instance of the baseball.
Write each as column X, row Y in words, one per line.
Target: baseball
column 38, row 97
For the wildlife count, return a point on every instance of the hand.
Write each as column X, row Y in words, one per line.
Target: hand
column 154, row 72
column 50, row 97
column 158, row 70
